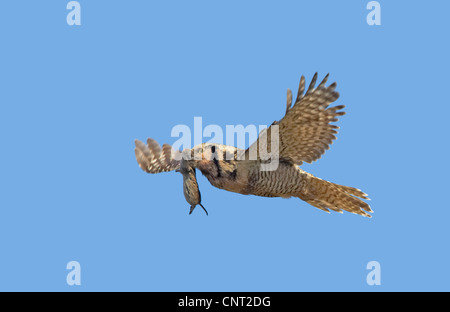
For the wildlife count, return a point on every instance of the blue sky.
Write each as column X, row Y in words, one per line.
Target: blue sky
column 74, row 98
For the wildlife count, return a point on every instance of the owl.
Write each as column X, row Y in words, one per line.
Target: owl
column 303, row 135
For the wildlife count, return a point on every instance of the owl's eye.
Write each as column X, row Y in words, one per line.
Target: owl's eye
column 213, row 149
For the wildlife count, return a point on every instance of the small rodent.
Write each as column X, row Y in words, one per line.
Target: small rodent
column 190, row 186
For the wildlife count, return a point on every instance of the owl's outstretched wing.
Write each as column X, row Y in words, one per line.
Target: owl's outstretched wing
column 154, row 159
column 305, row 132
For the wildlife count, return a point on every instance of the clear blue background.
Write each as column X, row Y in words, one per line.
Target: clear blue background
column 73, row 99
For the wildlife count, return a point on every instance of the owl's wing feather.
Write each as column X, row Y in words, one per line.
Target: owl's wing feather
column 306, row 132
column 154, row 159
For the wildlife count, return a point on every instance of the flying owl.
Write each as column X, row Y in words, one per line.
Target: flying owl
column 303, row 135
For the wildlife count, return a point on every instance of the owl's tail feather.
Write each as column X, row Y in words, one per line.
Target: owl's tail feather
column 327, row 195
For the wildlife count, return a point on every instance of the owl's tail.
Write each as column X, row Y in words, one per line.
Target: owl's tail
column 327, row 195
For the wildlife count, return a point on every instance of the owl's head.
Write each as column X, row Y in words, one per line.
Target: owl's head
column 214, row 159
column 211, row 151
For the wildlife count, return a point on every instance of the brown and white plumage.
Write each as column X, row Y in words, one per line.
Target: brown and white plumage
column 154, row 159
column 304, row 134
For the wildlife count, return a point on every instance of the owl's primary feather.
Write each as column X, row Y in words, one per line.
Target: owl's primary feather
column 304, row 134
column 152, row 159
